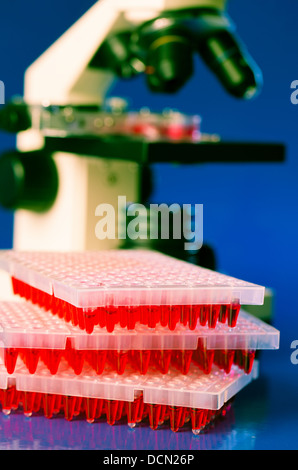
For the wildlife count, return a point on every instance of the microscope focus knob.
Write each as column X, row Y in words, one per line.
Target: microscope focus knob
column 28, row 181
column 15, row 117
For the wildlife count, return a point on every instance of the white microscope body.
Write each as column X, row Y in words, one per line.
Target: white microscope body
column 61, row 76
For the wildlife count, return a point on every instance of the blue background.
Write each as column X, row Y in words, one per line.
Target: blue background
column 250, row 210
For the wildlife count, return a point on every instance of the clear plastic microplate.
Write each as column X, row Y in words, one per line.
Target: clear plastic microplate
column 194, row 397
column 127, row 287
column 29, row 332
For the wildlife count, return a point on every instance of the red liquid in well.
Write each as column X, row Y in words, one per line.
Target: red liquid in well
column 129, row 316
column 141, row 360
column 93, row 409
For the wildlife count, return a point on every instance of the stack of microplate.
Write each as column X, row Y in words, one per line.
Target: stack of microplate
column 126, row 335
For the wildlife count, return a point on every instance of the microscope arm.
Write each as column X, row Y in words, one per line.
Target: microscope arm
column 58, row 75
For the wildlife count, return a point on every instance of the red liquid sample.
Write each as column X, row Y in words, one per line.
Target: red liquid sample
column 129, row 316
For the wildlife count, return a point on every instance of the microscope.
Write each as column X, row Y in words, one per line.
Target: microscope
column 77, row 149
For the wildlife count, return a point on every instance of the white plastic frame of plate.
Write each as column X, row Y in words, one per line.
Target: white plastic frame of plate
column 126, row 278
column 196, row 390
column 24, row 325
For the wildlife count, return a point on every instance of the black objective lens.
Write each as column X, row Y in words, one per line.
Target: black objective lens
column 232, row 64
column 169, row 64
column 164, row 47
column 115, row 55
